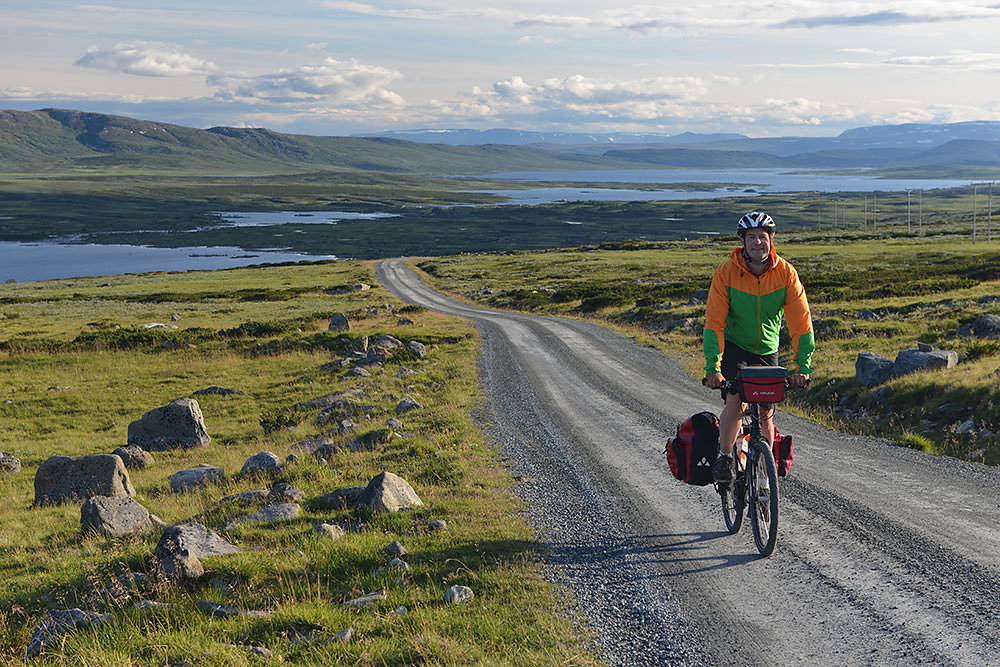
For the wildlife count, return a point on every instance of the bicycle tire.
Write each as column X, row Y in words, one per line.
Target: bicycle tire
column 763, row 499
column 732, row 509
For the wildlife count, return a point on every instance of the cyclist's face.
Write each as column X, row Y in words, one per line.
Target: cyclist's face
column 757, row 243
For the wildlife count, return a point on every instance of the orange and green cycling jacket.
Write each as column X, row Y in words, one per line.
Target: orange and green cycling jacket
column 746, row 310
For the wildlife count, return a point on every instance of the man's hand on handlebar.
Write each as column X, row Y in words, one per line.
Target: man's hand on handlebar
column 798, row 380
column 714, row 380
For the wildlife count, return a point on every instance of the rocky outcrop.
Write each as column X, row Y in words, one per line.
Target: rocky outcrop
column 386, row 492
column 987, row 326
column 115, row 516
column 339, row 323
column 912, row 360
column 177, row 425
column 134, row 457
column 75, row 478
column 56, row 623
column 871, row 369
column 264, row 463
column 179, row 552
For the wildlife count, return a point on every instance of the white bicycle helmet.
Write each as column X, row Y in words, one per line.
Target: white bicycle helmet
column 755, row 219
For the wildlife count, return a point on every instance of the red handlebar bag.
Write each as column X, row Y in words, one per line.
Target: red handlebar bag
column 762, row 384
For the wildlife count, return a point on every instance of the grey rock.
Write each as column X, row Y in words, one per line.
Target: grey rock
column 364, row 601
column 226, row 611
column 405, row 372
column 359, row 344
column 75, row 478
column 196, row 478
column 360, row 372
column 221, row 391
column 372, row 440
column 406, row 404
column 246, row 497
column 404, row 321
column 114, row 516
column 329, row 530
column 9, row 463
column 316, row 446
column 175, row 317
column 459, row 595
column 867, row 315
column 386, row 342
column 881, row 394
column 270, row 514
column 387, row 492
column 177, row 425
column 148, row 608
column 967, row 428
column 261, row 464
column 342, row 637
column 394, row 424
column 292, row 458
column 396, row 549
column 56, row 623
column 341, row 498
column 438, row 524
column 339, row 322
column 924, row 347
column 912, row 360
column 179, row 552
column 284, row 492
column 134, row 457
column 396, row 564
column 871, row 369
column 352, row 394
column 401, row 611
column 417, row 348
column 986, row 433
column 987, row 326
column 159, row 325
column 259, row 651
column 345, row 426
column 371, row 359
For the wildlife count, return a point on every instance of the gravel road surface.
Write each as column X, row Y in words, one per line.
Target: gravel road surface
column 885, row 555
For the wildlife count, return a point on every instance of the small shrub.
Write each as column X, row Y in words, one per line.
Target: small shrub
column 915, row 441
column 277, row 419
column 981, row 349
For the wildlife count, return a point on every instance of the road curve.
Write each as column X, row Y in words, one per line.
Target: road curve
column 885, row 555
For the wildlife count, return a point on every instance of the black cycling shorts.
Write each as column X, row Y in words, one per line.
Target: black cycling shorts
column 735, row 357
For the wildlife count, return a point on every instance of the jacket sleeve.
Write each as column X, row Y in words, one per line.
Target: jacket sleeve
column 799, row 324
column 716, row 311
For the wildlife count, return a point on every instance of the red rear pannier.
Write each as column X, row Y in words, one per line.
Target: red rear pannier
column 762, row 384
column 692, row 452
column 782, row 453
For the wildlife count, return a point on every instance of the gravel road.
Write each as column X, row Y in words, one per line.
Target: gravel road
column 885, row 555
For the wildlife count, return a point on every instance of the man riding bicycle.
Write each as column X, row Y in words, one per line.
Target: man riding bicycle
column 750, row 292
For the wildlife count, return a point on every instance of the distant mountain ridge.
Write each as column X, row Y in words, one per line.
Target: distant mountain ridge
column 60, row 138
column 55, row 139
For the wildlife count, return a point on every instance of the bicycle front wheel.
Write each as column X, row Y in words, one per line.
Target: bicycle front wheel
column 763, row 497
column 732, row 506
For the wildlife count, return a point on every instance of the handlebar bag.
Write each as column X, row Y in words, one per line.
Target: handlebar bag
column 762, row 384
column 691, row 453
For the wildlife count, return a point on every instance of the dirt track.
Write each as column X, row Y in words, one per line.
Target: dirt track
column 885, row 555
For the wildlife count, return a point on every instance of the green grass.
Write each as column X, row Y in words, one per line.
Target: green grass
column 921, row 289
column 76, row 367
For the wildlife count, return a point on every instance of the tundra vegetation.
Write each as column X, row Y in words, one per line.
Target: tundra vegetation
column 881, row 290
column 77, row 366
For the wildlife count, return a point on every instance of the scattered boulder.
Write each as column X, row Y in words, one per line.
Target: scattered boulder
column 339, row 322
column 372, row 440
column 262, row 463
column 342, row 637
column 226, row 611
column 912, row 360
column 134, row 457
column 405, row 372
column 196, row 478
column 57, row 623
column 387, row 342
column 394, row 424
column 75, row 478
column 387, row 492
column 341, row 498
column 359, row 372
column 417, row 348
column 148, row 608
column 871, row 369
column 396, row 549
column 114, row 516
column 345, row 426
column 406, row 404
column 159, row 325
column 438, row 524
column 221, row 391
column 364, row 601
column 321, row 448
column 967, row 428
column 270, row 514
column 179, row 552
column 343, row 398
column 396, row 564
column 459, row 595
column 880, row 395
column 246, row 497
column 284, row 493
column 9, row 463
column 359, row 345
column 404, row 321
column 328, row 530
column 867, row 315
column 179, row 424
column 987, row 326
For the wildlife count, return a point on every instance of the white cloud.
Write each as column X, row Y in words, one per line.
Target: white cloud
column 640, row 97
column 538, row 39
column 956, row 60
column 145, row 59
column 22, row 93
column 332, row 81
column 864, row 51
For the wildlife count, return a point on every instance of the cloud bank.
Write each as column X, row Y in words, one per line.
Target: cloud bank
column 347, row 82
column 145, row 59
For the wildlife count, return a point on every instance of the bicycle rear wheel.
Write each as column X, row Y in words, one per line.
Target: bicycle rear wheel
column 763, row 497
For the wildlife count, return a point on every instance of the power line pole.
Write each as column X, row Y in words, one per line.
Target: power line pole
column 864, row 220
column 920, row 211
column 974, row 188
column 874, row 210
column 907, row 211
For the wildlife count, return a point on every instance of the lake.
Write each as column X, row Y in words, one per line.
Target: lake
column 45, row 261
column 739, row 183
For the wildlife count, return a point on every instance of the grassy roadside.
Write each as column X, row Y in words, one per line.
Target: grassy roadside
column 77, row 367
column 915, row 290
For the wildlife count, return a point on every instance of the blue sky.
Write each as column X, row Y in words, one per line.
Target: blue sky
column 797, row 67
